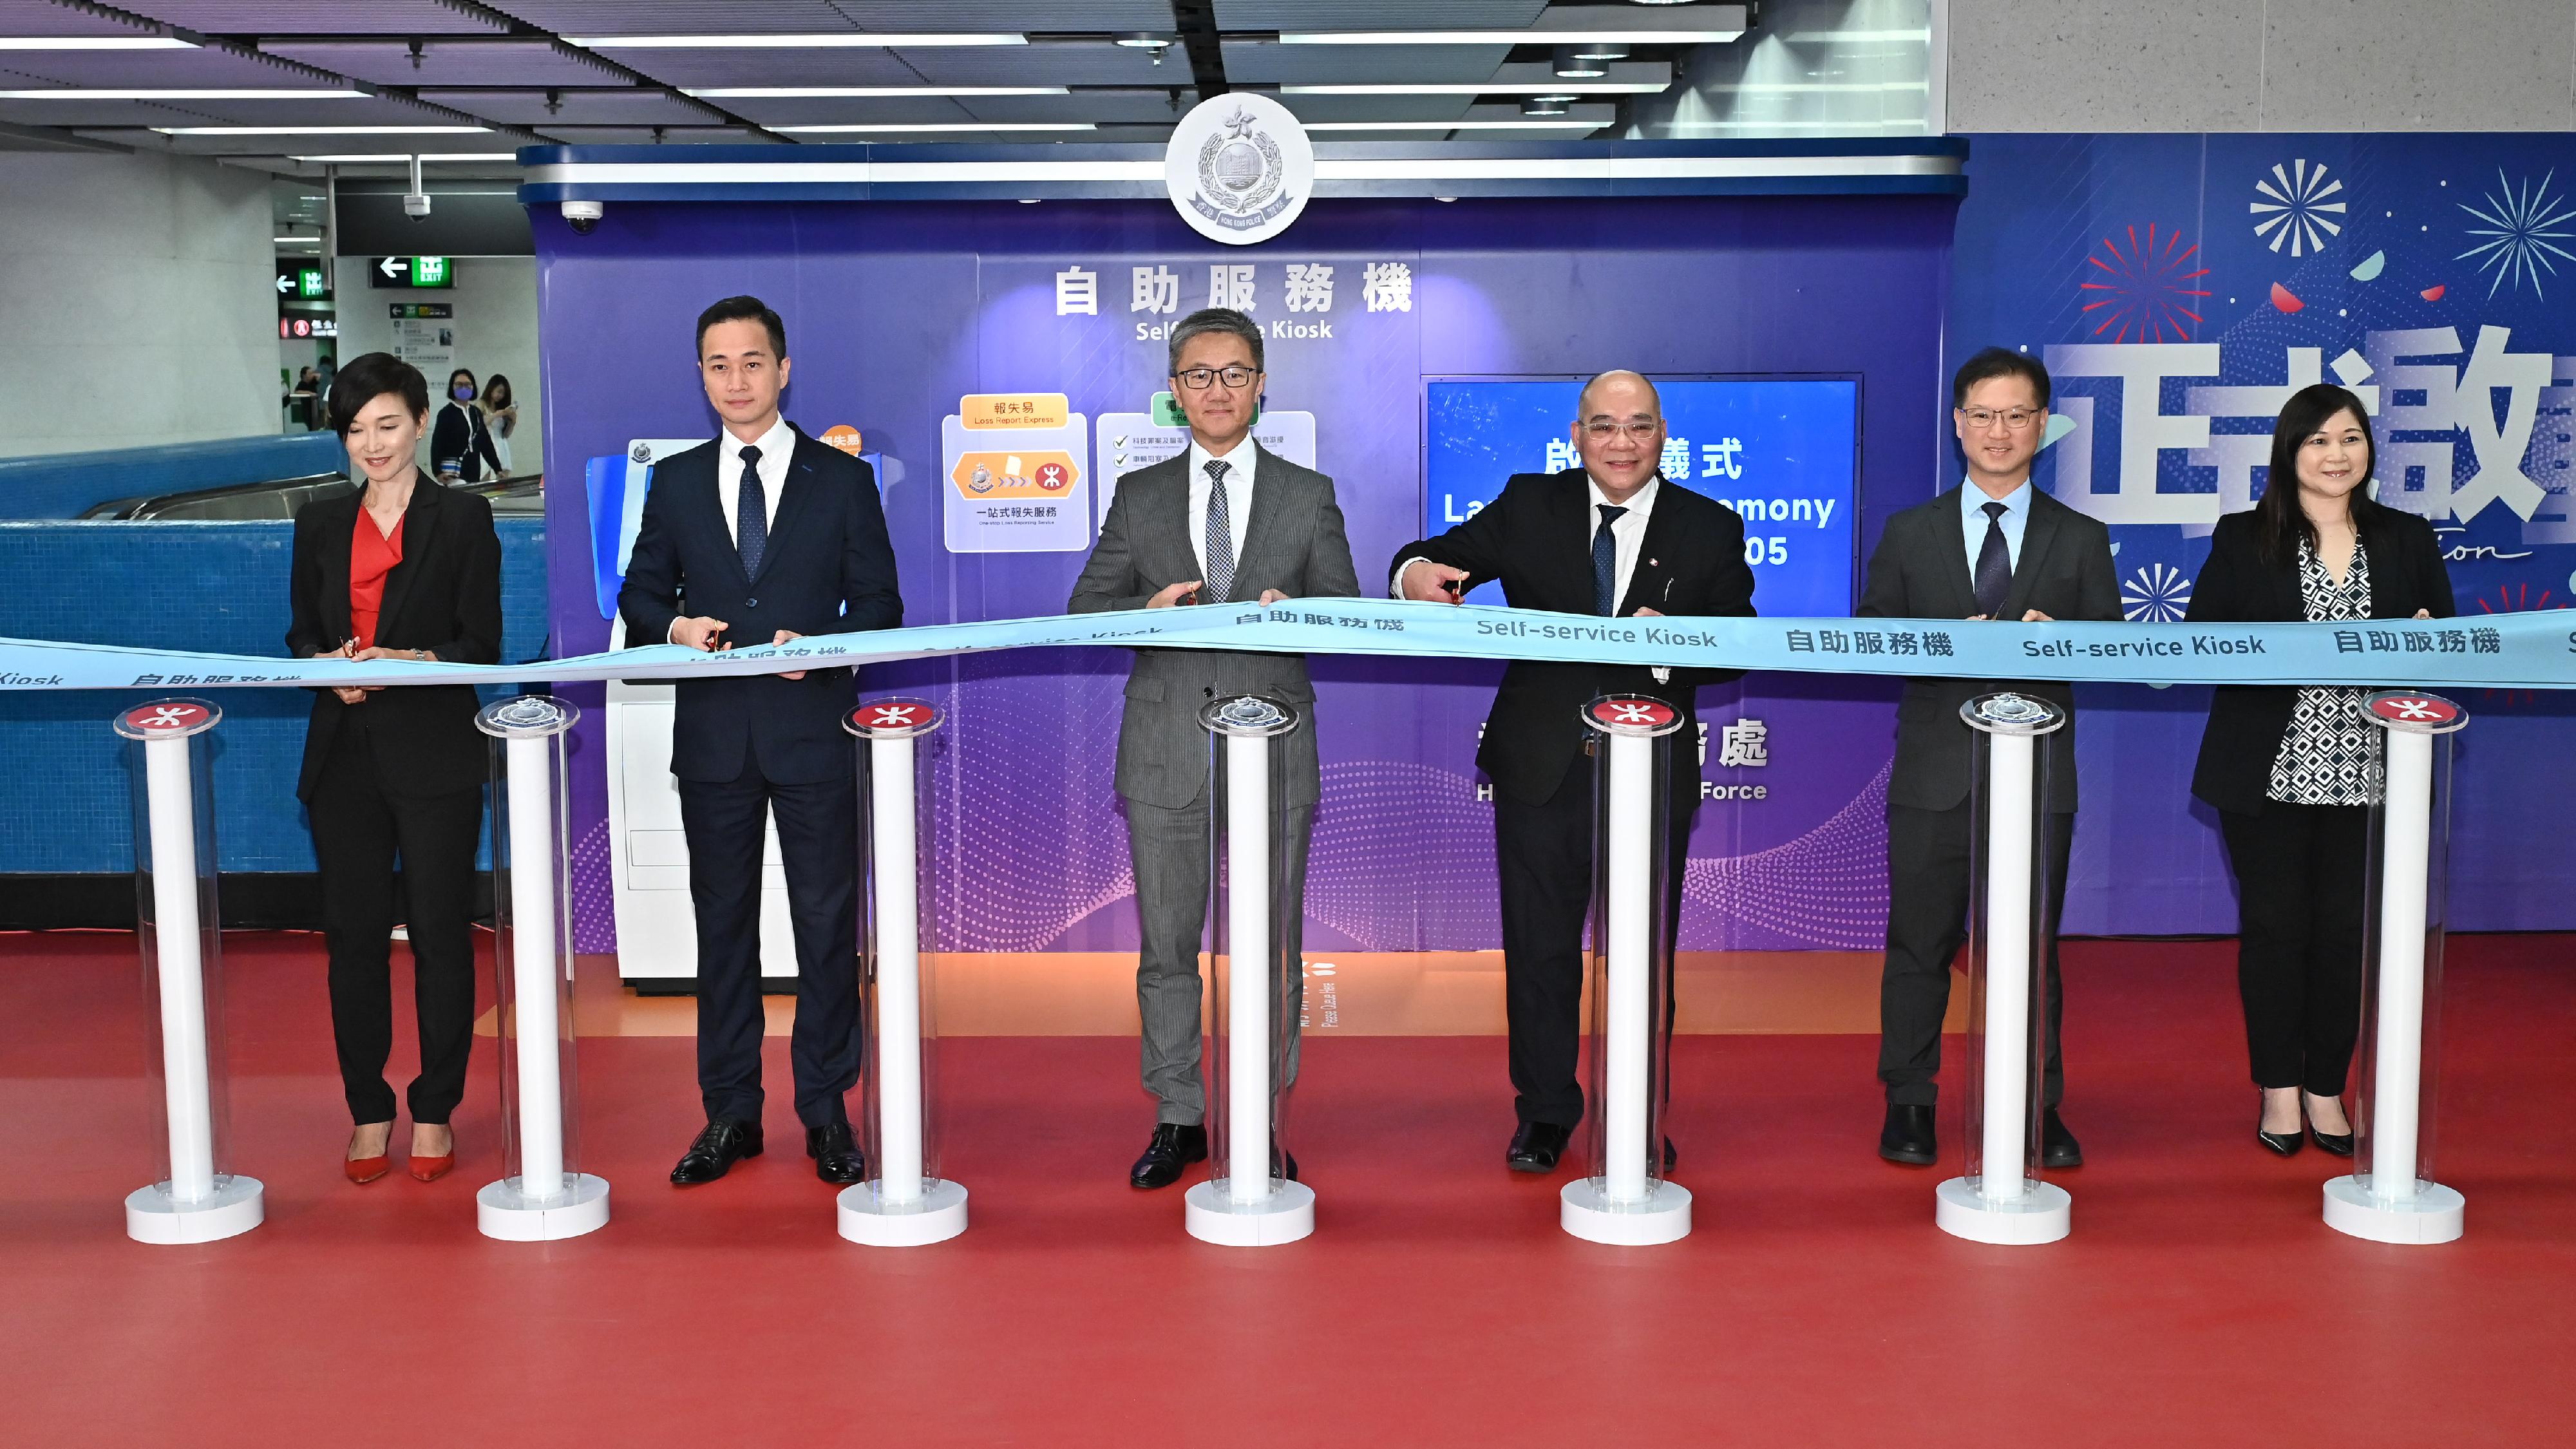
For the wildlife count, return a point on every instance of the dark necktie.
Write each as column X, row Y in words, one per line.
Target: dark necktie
column 751, row 515
column 1219, row 545
column 1994, row 565
column 1605, row 562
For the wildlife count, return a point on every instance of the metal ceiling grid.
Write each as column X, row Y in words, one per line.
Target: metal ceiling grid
column 823, row 67
column 572, row 108
column 826, row 111
column 317, row 17
column 1252, row 63
column 1135, row 108
column 669, row 135
column 44, row 17
column 1341, row 109
column 1020, row 15
column 475, row 63
column 194, row 70
column 680, row 17
column 1049, row 65
column 1376, row 15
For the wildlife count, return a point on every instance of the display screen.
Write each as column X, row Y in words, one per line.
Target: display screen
column 1781, row 452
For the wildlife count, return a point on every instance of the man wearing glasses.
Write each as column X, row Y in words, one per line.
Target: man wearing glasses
column 1612, row 537
column 1224, row 523
column 1993, row 548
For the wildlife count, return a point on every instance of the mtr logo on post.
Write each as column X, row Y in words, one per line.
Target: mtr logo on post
column 892, row 719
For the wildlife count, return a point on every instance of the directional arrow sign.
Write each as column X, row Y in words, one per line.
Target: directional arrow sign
column 394, row 266
column 285, row 285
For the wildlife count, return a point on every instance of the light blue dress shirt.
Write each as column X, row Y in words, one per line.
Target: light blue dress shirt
column 1972, row 512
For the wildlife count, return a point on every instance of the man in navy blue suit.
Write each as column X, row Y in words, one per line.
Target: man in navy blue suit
column 760, row 537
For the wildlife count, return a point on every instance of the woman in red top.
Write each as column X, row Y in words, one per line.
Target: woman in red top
column 402, row 568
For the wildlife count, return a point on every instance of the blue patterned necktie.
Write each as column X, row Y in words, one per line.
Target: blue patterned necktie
column 1219, row 545
column 1994, row 565
column 751, row 515
column 1605, row 562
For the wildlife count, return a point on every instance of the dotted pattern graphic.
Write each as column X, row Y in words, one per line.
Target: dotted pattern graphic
column 1826, row 888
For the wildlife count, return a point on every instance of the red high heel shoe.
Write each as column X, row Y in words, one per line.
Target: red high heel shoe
column 368, row 1169
column 431, row 1169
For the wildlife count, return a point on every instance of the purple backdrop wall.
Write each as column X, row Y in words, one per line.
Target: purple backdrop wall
column 897, row 309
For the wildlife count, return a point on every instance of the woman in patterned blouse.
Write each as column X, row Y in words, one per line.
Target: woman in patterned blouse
column 2293, row 771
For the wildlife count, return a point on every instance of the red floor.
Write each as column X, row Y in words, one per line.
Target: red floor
column 2200, row 1300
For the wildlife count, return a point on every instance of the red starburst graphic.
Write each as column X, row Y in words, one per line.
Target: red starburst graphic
column 2145, row 290
column 2517, row 599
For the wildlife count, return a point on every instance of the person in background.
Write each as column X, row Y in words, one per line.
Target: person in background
column 461, row 447
column 401, row 569
column 1994, row 547
column 2293, row 771
column 501, row 419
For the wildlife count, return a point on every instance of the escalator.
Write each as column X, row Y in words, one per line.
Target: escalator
column 277, row 500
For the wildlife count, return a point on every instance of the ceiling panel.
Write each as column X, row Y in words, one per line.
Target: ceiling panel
column 460, row 63
column 90, row 115
column 1095, row 63
column 643, row 136
column 315, row 17
column 151, row 69
column 1150, row 108
column 44, row 17
column 690, row 68
column 1248, row 63
column 1377, row 108
column 576, row 108
column 1021, row 15
column 1376, row 14
column 805, row 111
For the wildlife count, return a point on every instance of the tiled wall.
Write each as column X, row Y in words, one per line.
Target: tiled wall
column 65, row 790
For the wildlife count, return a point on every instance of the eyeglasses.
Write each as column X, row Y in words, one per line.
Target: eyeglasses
column 2017, row 420
column 1601, row 432
column 1200, row 379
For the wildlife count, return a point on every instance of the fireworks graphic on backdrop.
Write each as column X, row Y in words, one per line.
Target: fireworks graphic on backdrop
column 2518, row 598
column 2519, row 224
column 2144, row 290
column 2155, row 594
column 2295, row 208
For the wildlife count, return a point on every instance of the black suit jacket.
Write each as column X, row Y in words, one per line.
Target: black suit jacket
column 2244, row 584
column 445, row 597
column 828, row 569
column 1920, row 571
column 1536, row 538
column 461, row 443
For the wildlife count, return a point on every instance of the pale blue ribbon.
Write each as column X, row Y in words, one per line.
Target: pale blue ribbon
column 2507, row 651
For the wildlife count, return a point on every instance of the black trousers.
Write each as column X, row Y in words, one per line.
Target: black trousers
column 2300, row 877
column 1543, row 861
column 359, row 832
column 1927, row 921
column 818, row 827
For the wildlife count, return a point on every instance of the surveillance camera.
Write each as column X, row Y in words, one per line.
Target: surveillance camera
column 416, row 205
column 583, row 214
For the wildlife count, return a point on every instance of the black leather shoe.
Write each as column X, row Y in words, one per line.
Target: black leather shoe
column 1173, row 1148
column 1670, row 1156
column 2338, row 1143
column 837, row 1158
column 2057, row 1146
column 1908, row 1136
column 1536, row 1146
column 2280, row 1144
column 725, row 1142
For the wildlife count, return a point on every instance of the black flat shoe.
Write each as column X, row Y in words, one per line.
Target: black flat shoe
column 1172, row 1148
column 1536, row 1146
column 723, row 1143
column 1670, row 1156
column 2057, row 1146
column 2280, row 1144
column 837, row 1159
column 2337, row 1143
column 1908, row 1136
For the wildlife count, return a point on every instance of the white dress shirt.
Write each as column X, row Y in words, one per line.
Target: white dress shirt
column 777, row 449
column 1238, row 497
column 1972, row 513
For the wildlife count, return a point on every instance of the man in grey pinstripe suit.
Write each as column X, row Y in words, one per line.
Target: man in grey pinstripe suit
column 1224, row 523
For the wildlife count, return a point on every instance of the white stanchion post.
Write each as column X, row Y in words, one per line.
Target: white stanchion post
column 1624, row 1201
column 546, row 1199
column 197, row 1202
column 1250, row 1206
column 904, row 1205
column 2386, row 1200
column 2003, row 1201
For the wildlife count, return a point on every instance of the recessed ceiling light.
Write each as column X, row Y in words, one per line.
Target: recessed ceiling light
column 1545, row 105
column 1624, row 35
column 1525, row 125
column 1486, row 88
column 95, row 42
column 82, row 93
column 827, row 40
column 1146, row 39
column 755, row 93
column 398, row 158
column 322, row 130
column 1590, row 50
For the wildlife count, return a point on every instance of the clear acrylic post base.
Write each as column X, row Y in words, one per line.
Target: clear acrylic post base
column 868, row 1219
column 502, row 1211
column 1585, row 1210
column 237, row 1205
column 1213, row 1216
column 2436, row 1214
column 2042, row 1214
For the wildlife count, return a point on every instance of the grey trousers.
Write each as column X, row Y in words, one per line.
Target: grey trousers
column 1170, row 851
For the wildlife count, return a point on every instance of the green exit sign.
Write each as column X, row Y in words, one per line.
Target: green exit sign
column 410, row 272
column 308, row 283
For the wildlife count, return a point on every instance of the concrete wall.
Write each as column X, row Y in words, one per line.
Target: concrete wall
column 496, row 331
column 137, row 297
column 2261, row 65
